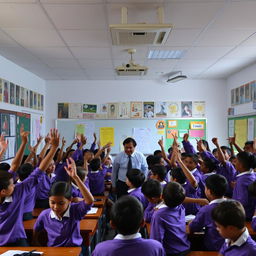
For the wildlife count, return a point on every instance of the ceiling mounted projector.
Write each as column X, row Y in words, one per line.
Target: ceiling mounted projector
column 131, row 69
column 176, row 78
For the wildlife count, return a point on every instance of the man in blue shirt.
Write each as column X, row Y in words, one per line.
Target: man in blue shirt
column 124, row 161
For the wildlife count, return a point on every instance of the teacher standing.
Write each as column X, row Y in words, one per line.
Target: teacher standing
column 124, row 161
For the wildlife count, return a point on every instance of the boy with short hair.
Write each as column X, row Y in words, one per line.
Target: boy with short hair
column 229, row 217
column 127, row 218
column 158, row 172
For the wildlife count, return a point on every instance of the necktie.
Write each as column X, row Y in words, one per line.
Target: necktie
column 129, row 165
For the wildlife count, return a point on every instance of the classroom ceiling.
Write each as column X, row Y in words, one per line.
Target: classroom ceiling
column 70, row 39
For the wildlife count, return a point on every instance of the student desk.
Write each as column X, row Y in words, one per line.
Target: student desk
column 96, row 215
column 202, row 253
column 101, row 203
column 48, row 251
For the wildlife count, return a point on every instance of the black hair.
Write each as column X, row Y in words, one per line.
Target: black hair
column 151, row 188
column 227, row 149
column 61, row 188
column 232, row 158
column 217, row 184
column 5, row 179
column 130, row 140
column 158, row 153
column 252, row 189
column 25, row 170
column 5, row 167
column 248, row 160
column 173, row 194
column 178, row 175
column 127, row 215
column 169, row 150
column 210, row 164
column 56, row 154
column 81, row 172
column 95, row 164
column 194, row 157
column 102, row 155
column 229, row 213
column 149, row 160
column 159, row 170
column 248, row 143
column 136, row 177
column 156, row 160
column 68, row 152
column 87, row 150
column 214, row 151
column 79, row 163
column 206, row 144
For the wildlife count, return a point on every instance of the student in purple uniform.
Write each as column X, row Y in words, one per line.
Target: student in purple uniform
column 134, row 180
column 158, row 172
column 127, row 219
column 248, row 145
column 13, row 197
column 229, row 217
column 216, row 186
column 62, row 220
column 245, row 164
column 208, row 168
column 107, row 164
column 252, row 192
column 152, row 190
column 168, row 224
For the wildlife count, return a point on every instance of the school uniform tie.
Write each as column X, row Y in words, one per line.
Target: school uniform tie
column 129, row 165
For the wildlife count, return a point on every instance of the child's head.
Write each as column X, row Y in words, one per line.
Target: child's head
column 229, row 217
column 158, row 153
column 60, row 197
column 158, row 172
column 245, row 161
column 157, row 160
column 108, row 160
column 191, row 161
column 178, row 175
column 95, row 164
column 248, row 146
column 149, row 160
column 69, row 153
column 81, row 173
column 152, row 190
column 173, row 194
column 232, row 160
column 102, row 155
column 215, row 152
column 135, row 178
column 226, row 151
column 51, row 168
column 208, row 165
column 5, row 167
column 127, row 215
column 25, row 170
column 215, row 186
column 88, row 154
column 6, row 184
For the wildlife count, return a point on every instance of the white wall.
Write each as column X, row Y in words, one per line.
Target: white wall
column 211, row 91
column 244, row 76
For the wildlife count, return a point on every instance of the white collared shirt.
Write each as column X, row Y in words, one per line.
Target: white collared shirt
column 74, row 185
column 161, row 205
column 130, row 190
column 219, row 200
column 243, row 173
column 163, row 182
column 94, row 171
column 128, row 237
column 66, row 214
column 8, row 199
column 209, row 173
column 193, row 171
column 240, row 241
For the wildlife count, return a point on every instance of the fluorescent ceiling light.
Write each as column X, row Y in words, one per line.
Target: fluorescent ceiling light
column 162, row 54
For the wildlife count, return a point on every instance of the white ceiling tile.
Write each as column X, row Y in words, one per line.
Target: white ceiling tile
column 238, row 15
column 205, row 53
column 92, row 38
column 120, row 62
column 182, row 37
column 18, row 1
column 62, row 63
column 23, row 16
column 134, row 1
column 67, row 72
column 250, row 41
column 51, row 52
column 224, row 37
column 91, row 64
column 6, row 40
column 35, row 37
column 71, row 1
column 16, row 53
column 91, row 53
column 120, row 52
column 192, row 64
column 243, row 52
column 191, row 14
column 100, row 72
column 77, row 16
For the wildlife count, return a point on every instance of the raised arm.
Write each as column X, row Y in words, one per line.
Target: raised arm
column 3, row 145
column 220, row 153
column 46, row 146
column 233, row 141
column 188, row 147
column 107, row 155
column 71, row 170
column 102, row 149
column 94, row 142
column 33, row 150
column 19, row 155
column 60, row 155
column 54, row 142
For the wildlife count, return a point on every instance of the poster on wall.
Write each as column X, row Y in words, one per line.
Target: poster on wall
column 30, row 99
column 148, row 109
column 253, row 91
column 22, row 96
column 17, row 95
column 237, row 95
column 1, row 89
column 173, row 109
column 112, row 110
column 136, row 109
column 102, row 111
column 34, row 100
column 63, row 110
column 199, row 109
column 247, row 93
column 241, row 93
column 42, row 103
column 233, row 97
column 6, row 91
column 12, row 93
column 186, row 109
column 161, row 109
column 5, row 124
column 124, row 110
column 75, row 110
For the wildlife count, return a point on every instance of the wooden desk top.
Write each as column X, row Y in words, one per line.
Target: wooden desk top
column 48, row 251
column 97, row 215
column 101, row 203
column 201, row 253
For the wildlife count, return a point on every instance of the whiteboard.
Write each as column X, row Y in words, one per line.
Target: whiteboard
column 123, row 129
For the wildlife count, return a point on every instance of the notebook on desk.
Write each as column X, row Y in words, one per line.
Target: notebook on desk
column 23, row 253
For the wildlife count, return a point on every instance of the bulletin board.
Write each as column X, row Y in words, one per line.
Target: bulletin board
column 11, row 122
column 244, row 127
column 145, row 132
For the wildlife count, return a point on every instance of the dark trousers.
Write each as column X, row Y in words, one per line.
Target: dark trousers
column 121, row 189
column 22, row 242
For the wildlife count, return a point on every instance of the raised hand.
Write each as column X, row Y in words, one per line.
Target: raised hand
column 3, row 143
column 71, row 168
column 39, row 140
column 24, row 136
column 63, row 141
column 185, row 137
column 83, row 139
column 215, row 141
column 161, row 143
column 47, row 139
column 54, row 138
column 200, row 146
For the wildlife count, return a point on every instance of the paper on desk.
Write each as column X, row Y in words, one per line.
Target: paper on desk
column 189, row 217
column 13, row 252
column 93, row 210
